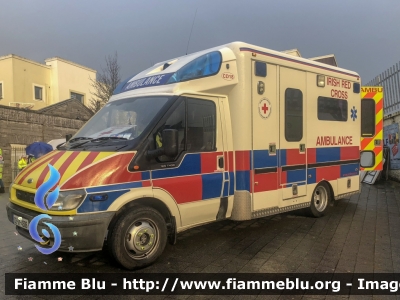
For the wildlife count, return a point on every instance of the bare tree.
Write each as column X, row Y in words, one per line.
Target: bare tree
column 107, row 80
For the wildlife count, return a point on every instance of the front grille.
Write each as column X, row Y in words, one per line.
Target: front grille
column 25, row 196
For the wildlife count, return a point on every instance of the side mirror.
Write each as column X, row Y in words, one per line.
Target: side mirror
column 170, row 142
column 68, row 137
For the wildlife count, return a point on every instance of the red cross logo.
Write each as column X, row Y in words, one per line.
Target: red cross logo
column 264, row 108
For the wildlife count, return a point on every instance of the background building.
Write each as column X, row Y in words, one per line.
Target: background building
column 20, row 127
column 28, row 84
column 326, row 59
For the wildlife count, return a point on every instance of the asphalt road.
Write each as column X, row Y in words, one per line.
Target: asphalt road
column 361, row 234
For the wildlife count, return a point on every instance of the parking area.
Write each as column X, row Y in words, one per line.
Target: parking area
column 360, row 234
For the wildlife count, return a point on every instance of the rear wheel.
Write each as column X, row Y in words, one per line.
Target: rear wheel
column 321, row 200
column 138, row 237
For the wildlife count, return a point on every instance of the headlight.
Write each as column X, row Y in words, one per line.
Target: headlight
column 69, row 200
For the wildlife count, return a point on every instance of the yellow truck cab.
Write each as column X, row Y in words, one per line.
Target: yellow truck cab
column 236, row 131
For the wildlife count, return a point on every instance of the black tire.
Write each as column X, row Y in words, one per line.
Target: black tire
column 321, row 200
column 147, row 228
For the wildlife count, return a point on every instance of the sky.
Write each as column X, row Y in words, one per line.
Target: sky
column 363, row 35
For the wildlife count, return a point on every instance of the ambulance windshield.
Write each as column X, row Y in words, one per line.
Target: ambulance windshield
column 122, row 119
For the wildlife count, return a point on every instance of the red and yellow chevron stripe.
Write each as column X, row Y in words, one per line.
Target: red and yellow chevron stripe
column 66, row 162
column 374, row 143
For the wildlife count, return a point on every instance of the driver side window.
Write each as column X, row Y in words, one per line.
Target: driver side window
column 196, row 126
column 175, row 121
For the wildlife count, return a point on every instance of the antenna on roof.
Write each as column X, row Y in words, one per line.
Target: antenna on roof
column 191, row 32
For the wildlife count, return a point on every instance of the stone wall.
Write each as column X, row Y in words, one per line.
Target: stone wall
column 19, row 126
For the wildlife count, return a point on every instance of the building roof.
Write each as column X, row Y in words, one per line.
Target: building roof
column 68, row 62
column 61, row 108
column 326, row 59
column 24, row 59
column 294, row 52
column 46, row 60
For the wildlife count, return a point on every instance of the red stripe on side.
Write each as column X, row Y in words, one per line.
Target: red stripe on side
column 110, row 171
column 294, row 157
column 46, row 170
column 365, row 142
column 328, row 173
column 209, row 162
column 377, row 150
column 311, row 155
column 347, row 153
column 369, row 95
column 379, row 126
column 36, row 164
column 88, row 160
column 67, row 163
column 242, row 160
column 266, row 182
column 283, row 176
column 146, row 183
column 183, row 189
column 379, row 106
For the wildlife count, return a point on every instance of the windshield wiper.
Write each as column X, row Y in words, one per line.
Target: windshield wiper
column 79, row 138
column 108, row 138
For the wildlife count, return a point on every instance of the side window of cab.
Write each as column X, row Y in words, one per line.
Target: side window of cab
column 201, row 125
column 177, row 121
column 195, row 121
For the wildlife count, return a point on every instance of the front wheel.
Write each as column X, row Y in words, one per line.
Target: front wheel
column 138, row 237
column 320, row 200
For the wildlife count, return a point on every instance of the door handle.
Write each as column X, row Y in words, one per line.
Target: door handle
column 220, row 163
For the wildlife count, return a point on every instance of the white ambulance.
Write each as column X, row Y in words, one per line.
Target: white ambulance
column 233, row 132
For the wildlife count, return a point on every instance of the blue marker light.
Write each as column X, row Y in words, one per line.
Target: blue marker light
column 101, row 197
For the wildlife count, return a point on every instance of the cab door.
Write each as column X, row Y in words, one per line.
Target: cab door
column 292, row 153
column 195, row 178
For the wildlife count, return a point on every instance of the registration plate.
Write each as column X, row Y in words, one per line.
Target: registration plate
column 21, row 222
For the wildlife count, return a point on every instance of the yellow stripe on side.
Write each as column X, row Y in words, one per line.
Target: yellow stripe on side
column 57, row 164
column 103, row 155
column 73, row 167
column 77, row 162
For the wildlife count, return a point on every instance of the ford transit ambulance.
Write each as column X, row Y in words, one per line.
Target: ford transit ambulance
column 233, row 132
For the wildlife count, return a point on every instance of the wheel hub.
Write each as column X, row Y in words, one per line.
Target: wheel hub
column 140, row 238
column 320, row 198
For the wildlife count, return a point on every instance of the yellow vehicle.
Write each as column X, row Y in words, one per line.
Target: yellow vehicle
column 372, row 127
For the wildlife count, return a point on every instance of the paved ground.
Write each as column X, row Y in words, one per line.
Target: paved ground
column 361, row 234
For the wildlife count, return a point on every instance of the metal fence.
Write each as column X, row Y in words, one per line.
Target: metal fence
column 16, row 153
column 390, row 81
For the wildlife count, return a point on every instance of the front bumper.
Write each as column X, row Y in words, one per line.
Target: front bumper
column 84, row 232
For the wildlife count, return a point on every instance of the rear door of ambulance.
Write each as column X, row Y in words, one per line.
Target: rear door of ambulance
column 371, row 128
